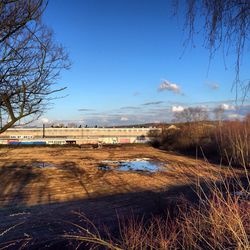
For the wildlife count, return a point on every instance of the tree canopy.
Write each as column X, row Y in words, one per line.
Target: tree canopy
column 30, row 61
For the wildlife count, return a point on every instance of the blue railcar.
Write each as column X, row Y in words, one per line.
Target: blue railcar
column 27, row 143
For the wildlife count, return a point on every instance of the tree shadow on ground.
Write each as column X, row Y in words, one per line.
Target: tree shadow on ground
column 46, row 223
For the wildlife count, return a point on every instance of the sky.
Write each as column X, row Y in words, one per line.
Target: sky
column 130, row 64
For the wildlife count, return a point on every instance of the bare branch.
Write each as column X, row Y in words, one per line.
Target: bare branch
column 226, row 25
column 30, row 61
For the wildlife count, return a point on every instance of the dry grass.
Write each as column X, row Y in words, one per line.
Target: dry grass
column 17, row 243
column 78, row 180
column 218, row 220
column 227, row 141
column 76, row 176
column 233, row 142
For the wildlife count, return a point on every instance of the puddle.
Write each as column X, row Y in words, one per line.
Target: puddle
column 141, row 166
column 103, row 167
column 42, row 165
column 138, row 165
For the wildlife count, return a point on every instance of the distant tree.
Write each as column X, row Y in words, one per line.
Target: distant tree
column 247, row 118
column 191, row 114
column 226, row 25
column 30, row 62
column 72, row 125
column 194, row 117
column 219, row 113
column 61, row 125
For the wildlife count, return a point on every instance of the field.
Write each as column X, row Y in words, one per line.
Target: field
column 39, row 203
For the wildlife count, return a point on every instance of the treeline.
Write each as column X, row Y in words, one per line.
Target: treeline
column 222, row 141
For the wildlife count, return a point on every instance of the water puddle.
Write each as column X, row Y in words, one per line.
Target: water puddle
column 42, row 165
column 137, row 165
column 104, row 167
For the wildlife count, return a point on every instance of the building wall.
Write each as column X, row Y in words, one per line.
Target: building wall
column 106, row 135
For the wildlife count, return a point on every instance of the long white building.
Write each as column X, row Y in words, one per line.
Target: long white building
column 77, row 135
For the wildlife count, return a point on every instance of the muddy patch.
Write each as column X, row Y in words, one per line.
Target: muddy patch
column 143, row 165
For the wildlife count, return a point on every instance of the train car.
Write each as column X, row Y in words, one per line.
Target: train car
column 12, row 142
column 55, row 142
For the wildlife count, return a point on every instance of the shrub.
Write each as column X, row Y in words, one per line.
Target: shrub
column 227, row 141
column 233, row 141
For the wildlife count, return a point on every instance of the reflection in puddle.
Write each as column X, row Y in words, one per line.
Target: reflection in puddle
column 42, row 165
column 141, row 166
column 137, row 165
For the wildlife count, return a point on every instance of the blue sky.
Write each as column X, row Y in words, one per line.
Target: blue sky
column 129, row 64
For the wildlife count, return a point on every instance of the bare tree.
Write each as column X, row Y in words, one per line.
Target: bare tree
column 191, row 114
column 72, row 125
column 15, row 14
column 30, row 62
column 219, row 113
column 226, row 25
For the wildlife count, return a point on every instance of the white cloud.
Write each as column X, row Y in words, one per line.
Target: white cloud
column 166, row 85
column 44, row 120
column 124, row 118
column 177, row 108
column 225, row 106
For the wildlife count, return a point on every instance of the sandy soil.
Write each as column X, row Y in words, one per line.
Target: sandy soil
column 38, row 198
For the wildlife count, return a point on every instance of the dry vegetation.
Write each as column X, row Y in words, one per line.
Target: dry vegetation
column 218, row 216
column 29, row 194
column 192, row 205
column 75, row 174
column 219, row 219
column 227, row 141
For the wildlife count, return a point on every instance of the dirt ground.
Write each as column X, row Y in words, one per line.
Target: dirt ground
column 36, row 202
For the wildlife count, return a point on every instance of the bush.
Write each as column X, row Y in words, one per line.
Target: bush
column 233, row 142
column 227, row 142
